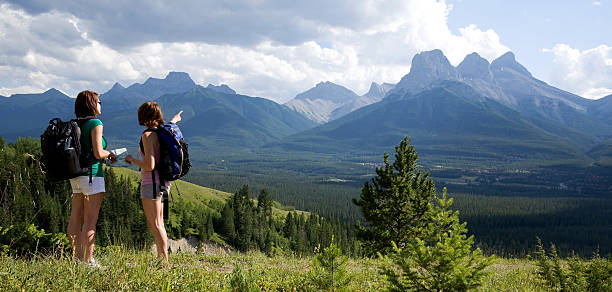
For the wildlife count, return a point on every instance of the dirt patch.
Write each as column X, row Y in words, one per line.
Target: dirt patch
column 193, row 245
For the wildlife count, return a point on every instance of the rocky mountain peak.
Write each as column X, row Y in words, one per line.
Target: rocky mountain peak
column 173, row 79
column 426, row 68
column 223, row 88
column 474, row 66
column 328, row 91
column 378, row 91
column 117, row 86
column 507, row 62
column 433, row 63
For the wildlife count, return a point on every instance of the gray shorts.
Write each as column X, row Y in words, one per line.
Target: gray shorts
column 146, row 192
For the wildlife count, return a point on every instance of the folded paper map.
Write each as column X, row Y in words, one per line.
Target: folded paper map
column 121, row 153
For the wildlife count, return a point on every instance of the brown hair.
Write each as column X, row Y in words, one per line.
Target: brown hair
column 86, row 104
column 150, row 115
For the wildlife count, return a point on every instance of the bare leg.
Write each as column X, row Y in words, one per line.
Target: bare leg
column 154, row 212
column 91, row 208
column 74, row 225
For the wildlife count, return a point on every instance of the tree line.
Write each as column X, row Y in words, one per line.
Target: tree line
column 26, row 197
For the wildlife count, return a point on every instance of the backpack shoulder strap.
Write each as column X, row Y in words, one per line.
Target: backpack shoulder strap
column 147, row 130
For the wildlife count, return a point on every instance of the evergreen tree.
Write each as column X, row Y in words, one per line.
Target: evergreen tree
column 264, row 203
column 441, row 259
column 203, row 228
column 243, row 213
column 228, row 228
column 329, row 270
column 396, row 204
column 210, row 230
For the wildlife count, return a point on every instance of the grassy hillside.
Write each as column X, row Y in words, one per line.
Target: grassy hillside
column 207, row 197
column 138, row 271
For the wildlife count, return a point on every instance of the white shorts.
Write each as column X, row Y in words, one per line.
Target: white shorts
column 80, row 184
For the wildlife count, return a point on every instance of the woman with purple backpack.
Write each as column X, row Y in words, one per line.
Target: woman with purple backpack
column 152, row 189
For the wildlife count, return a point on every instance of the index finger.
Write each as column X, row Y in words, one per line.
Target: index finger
column 180, row 112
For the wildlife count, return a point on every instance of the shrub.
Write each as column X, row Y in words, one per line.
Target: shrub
column 576, row 275
column 329, row 271
column 25, row 240
column 242, row 281
column 441, row 260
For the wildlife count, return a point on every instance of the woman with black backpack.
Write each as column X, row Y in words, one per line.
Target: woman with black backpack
column 88, row 190
column 152, row 187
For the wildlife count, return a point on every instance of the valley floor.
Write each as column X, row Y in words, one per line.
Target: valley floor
column 139, row 271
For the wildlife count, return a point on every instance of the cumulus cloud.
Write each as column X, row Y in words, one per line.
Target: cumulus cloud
column 273, row 49
column 587, row 73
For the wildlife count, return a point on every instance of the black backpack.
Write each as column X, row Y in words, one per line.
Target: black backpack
column 62, row 157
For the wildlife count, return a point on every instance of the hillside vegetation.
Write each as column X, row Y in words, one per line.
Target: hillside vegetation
column 137, row 270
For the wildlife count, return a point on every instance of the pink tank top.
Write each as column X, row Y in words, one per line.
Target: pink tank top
column 145, row 176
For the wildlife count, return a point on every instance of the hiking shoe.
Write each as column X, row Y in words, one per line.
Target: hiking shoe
column 93, row 264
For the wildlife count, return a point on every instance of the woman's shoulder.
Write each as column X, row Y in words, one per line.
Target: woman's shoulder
column 93, row 122
column 149, row 136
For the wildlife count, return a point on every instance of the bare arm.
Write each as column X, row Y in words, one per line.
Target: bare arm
column 176, row 118
column 149, row 142
column 96, row 145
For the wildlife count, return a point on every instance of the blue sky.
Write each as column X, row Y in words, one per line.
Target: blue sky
column 527, row 27
column 531, row 29
column 277, row 48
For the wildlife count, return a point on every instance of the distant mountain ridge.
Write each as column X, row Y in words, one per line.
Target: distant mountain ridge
column 214, row 117
column 223, row 88
column 119, row 97
column 506, row 81
column 328, row 101
column 26, row 114
column 476, row 111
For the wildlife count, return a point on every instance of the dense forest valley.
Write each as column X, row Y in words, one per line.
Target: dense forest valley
column 506, row 209
column 568, row 204
column 289, row 232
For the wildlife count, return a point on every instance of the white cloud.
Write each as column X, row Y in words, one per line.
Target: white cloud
column 264, row 48
column 596, row 3
column 587, row 73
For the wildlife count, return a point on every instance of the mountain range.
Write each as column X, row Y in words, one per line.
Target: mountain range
column 328, row 101
column 496, row 112
column 477, row 111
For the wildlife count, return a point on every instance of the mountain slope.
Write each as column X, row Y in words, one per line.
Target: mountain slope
column 602, row 109
column 319, row 103
column 375, row 94
column 451, row 121
column 219, row 120
column 506, row 81
column 120, row 98
column 29, row 114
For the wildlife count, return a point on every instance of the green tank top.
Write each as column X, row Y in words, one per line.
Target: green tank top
column 96, row 167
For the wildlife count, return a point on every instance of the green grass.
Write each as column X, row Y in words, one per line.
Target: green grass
column 139, row 270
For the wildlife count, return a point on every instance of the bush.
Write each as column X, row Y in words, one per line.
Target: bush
column 329, row 271
column 577, row 275
column 242, row 281
column 441, row 260
column 26, row 240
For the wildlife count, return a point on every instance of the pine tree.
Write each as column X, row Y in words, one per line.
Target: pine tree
column 441, row 259
column 228, row 228
column 396, row 204
column 210, row 230
column 243, row 212
column 264, row 203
